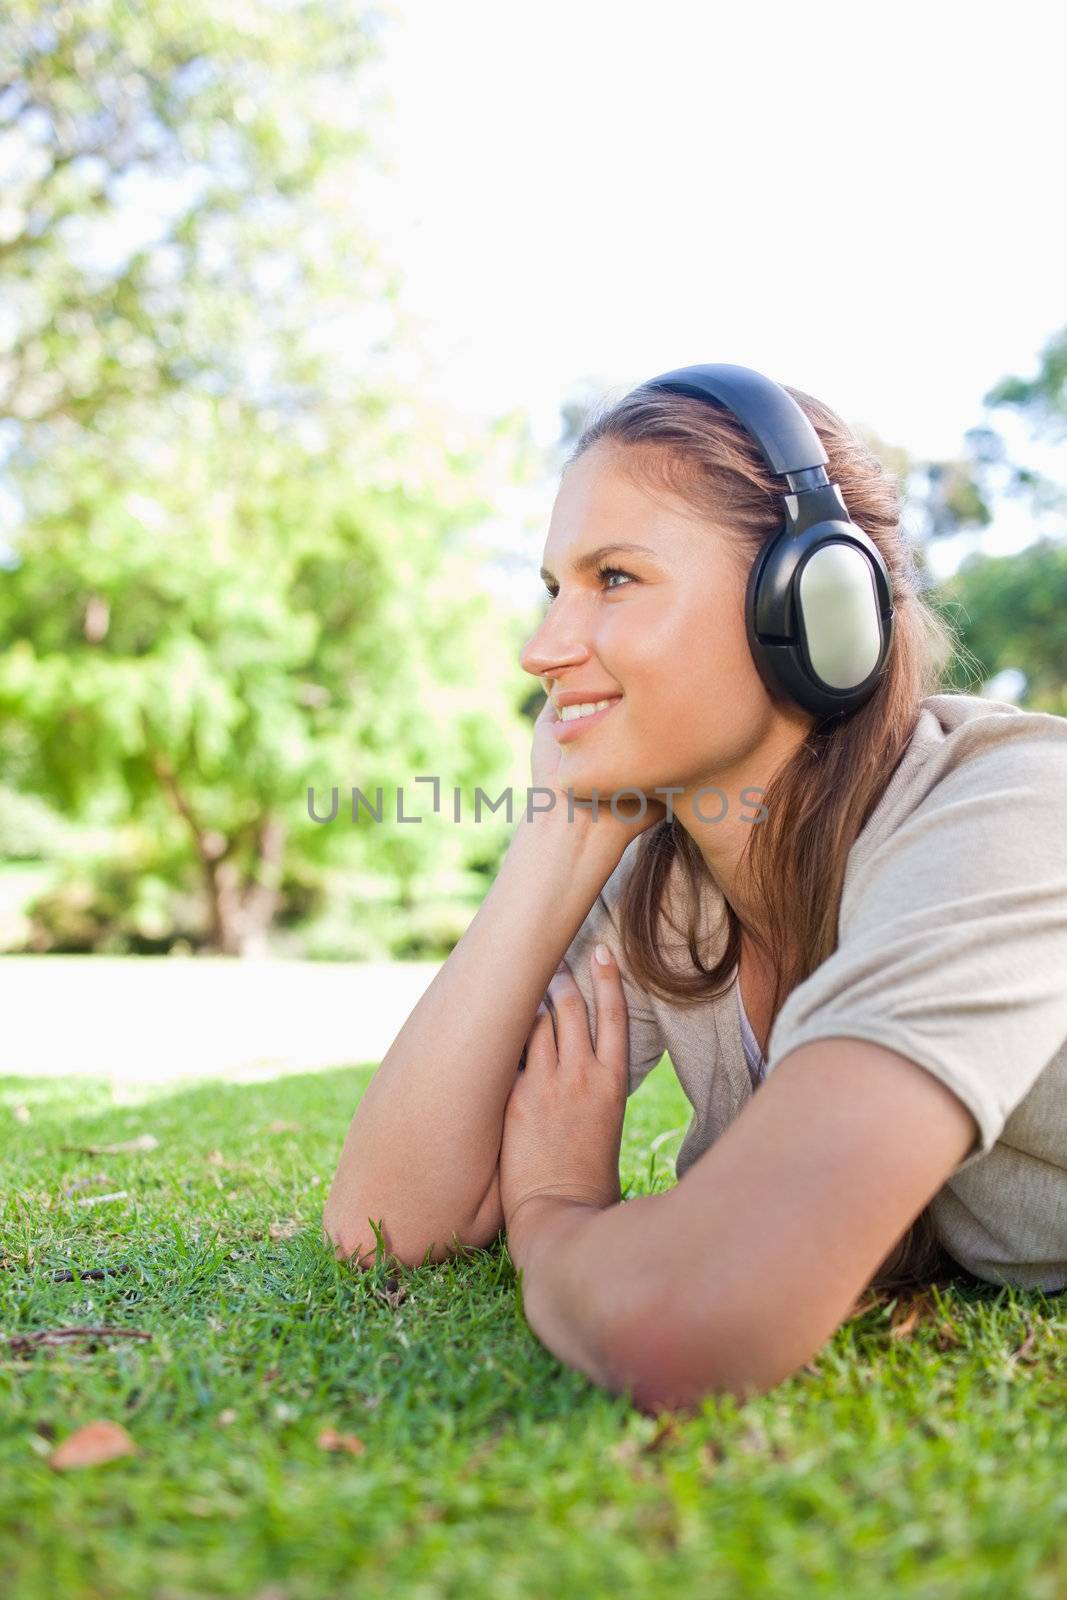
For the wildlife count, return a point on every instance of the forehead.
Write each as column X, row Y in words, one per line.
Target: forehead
column 599, row 501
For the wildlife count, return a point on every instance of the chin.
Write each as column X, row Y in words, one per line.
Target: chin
column 586, row 778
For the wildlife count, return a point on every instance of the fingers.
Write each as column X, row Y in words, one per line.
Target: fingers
column 540, row 1052
column 612, row 1018
column 573, row 1038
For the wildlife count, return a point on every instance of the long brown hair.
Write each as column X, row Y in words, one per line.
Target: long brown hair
column 820, row 799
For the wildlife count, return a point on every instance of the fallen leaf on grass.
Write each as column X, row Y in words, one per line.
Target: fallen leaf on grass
column 629, row 1449
column 91, row 1446
column 478, row 1457
column 285, row 1230
column 279, row 1126
column 392, row 1291
column 330, row 1439
column 667, row 1432
column 948, row 1334
column 908, row 1314
column 129, row 1147
column 93, row 1180
column 905, row 1326
column 871, row 1301
column 1023, row 1352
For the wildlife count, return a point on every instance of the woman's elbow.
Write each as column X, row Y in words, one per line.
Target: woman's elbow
column 669, row 1364
column 350, row 1228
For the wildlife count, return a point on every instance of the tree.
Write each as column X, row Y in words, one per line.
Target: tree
column 240, row 567
column 1042, row 400
column 1012, row 612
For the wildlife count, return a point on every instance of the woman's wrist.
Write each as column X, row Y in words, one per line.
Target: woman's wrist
column 541, row 1220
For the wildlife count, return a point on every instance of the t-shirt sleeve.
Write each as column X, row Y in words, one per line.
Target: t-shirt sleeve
column 601, row 927
column 954, row 948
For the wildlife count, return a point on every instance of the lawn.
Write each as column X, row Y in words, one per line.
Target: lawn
column 920, row 1455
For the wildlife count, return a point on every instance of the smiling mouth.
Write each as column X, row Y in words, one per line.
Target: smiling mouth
column 566, row 729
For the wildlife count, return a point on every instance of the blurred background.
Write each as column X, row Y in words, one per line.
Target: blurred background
column 302, row 303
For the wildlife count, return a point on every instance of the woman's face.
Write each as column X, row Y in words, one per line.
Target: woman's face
column 665, row 632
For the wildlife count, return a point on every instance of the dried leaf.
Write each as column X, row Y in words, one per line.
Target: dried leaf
column 1025, row 1348
column 948, row 1334
column 909, row 1314
column 92, row 1445
column 285, row 1230
column 330, row 1439
column 280, row 1126
column 906, row 1326
column 392, row 1291
column 94, row 1180
column 129, row 1147
column 479, row 1455
column 667, row 1432
column 871, row 1301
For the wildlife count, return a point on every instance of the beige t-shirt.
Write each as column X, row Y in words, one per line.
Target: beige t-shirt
column 952, row 950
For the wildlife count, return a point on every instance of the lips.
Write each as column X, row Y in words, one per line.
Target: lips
column 575, row 697
column 572, row 729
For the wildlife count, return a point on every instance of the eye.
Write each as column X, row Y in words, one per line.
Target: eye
column 614, row 572
column 601, row 572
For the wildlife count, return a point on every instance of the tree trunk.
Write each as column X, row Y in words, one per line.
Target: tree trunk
column 241, row 914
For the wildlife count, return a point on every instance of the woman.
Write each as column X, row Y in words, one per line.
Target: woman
column 850, row 934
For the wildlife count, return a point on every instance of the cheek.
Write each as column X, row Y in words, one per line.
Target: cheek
column 687, row 655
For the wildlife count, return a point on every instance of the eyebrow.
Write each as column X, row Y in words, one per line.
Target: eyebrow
column 587, row 562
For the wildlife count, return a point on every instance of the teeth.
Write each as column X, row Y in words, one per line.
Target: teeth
column 570, row 713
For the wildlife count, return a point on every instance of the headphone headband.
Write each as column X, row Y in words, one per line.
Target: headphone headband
column 784, row 434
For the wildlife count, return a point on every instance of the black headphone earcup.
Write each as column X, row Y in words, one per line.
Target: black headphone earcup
column 818, row 616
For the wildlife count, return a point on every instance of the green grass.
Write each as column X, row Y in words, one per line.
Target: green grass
column 929, row 1465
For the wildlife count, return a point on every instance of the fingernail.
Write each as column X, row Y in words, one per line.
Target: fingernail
column 603, row 955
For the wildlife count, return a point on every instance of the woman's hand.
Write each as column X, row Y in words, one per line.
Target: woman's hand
column 544, row 773
column 563, row 1121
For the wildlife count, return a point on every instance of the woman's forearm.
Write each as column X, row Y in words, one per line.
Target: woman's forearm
column 423, row 1145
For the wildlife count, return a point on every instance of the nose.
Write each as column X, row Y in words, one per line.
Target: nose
column 557, row 643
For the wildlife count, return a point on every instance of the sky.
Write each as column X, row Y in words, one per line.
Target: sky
column 858, row 201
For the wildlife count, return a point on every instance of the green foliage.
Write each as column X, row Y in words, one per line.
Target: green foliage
column 158, row 159
column 241, row 568
column 1012, row 612
column 1042, row 400
column 128, row 902
column 29, row 829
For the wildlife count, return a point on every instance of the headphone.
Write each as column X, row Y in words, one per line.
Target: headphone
column 819, row 601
